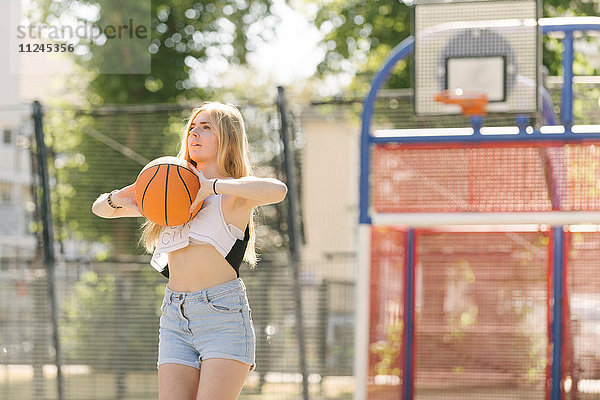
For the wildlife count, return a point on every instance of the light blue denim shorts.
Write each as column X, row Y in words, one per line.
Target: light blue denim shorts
column 211, row 323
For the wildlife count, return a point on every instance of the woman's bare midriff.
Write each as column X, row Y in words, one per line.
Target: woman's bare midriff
column 198, row 267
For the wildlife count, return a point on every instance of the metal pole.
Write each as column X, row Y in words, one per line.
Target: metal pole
column 409, row 316
column 558, row 250
column 566, row 112
column 48, row 239
column 293, row 233
column 362, row 305
column 400, row 52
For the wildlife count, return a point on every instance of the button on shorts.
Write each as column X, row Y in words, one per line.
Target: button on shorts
column 211, row 323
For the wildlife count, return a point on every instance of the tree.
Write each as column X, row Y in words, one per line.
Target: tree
column 552, row 48
column 359, row 35
column 184, row 36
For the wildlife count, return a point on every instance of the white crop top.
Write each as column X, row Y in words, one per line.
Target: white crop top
column 208, row 226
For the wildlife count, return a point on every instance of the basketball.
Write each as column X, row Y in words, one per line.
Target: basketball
column 165, row 189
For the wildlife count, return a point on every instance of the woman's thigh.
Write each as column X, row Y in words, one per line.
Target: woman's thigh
column 177, row 382
column 221, row 379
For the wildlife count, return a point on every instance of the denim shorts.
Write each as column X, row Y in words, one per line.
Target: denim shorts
column 210, row 323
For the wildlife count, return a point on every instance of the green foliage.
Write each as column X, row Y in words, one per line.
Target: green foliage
column 388, row 351
column 360, row 34
column 183, row 33
column 552, row 45
column 105, row 319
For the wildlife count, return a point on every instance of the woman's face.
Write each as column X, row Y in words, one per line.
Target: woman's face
column 202, row 140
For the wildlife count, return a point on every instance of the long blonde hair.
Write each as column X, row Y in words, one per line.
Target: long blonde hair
column 233, row 160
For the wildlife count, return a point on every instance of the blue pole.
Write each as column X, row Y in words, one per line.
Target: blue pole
column 557, row 268
column 400, row 52
column 409, row 316
column 476, row 124
column 566, row 113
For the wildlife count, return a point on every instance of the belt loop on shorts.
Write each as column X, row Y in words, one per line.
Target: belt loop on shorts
column 204, row 296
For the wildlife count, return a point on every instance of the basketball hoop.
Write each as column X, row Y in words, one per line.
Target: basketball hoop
column 471, row 103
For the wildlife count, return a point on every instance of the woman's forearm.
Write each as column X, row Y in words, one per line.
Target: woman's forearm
column 261, row 190
column 121, row 198
column 101, row 207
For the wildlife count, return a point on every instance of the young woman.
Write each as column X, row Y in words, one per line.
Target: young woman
column 206, row 336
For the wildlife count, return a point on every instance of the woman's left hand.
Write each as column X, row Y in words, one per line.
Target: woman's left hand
column 205, row 188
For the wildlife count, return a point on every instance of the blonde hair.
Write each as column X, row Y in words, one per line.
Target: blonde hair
column 233, row 160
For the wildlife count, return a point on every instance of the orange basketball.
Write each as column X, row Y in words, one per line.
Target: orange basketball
column 165, row 189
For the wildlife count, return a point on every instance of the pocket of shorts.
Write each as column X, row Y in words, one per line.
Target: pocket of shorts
column 227, row 304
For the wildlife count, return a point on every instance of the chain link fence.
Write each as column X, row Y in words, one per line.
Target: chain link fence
column 108, row 295
column 101, row 271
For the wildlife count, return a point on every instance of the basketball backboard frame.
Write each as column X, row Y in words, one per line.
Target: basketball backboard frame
column 450, row 36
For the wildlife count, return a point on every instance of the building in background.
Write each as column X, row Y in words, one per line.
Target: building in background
column 330, row 161
column 16, row 205
column 26, row 77
column 16, row 133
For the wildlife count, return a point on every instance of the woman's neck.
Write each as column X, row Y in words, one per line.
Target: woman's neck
column 210, row 170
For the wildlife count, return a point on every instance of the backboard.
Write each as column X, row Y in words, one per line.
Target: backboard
column 488, row 47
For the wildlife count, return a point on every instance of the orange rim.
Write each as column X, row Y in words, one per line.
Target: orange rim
column 471, row 103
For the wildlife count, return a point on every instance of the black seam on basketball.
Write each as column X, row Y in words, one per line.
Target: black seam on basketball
column 181, row 166
column 155, row 165
column 146, row 188
column 166, row 191
column 186, row 188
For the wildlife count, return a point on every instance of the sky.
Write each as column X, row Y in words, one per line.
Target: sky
column 295, row 52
